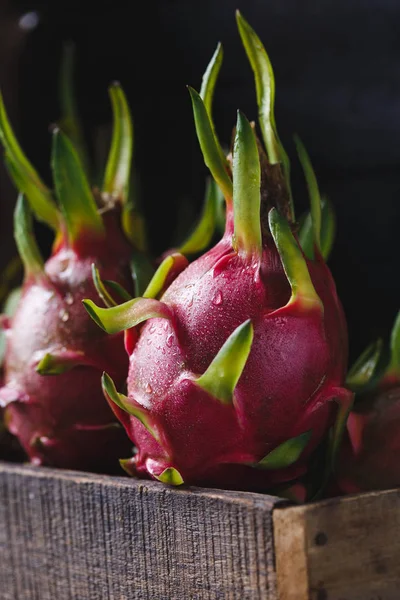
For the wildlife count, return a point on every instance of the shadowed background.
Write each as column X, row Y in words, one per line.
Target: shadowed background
column 337, row 67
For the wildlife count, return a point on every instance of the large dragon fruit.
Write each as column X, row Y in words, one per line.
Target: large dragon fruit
column 55, row 354
column 237, row 369
column 369, row 457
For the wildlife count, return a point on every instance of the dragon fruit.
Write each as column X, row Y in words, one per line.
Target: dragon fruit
column 52, row 398
column 368, row 458
column 237, row 367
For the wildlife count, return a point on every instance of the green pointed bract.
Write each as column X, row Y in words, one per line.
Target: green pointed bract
column 328, row 231
column 24, row 175
column 265, row 90
column 246, row 190
column 201, row 236
column 55, row 363
column 127, row 315
column 73, row 191
column 170, row 476
column 365, row 370
column 344, row 398
column 212, row 151
column 286, row 454
column 293, row 262
column 122, row 401
column 173, row 262
column 313, row 191
column 208, row 86
column 142, row 271
column 118, row 169
column 101, row 288
column 25, row 239
column 70, row 122
column 221, row 377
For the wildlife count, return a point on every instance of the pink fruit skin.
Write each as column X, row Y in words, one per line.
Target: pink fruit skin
column 369, row 458
column 63, row 420
column 296, row 365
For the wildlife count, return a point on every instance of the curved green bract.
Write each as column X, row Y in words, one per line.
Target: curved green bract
column 293, row 262
column 222, row 375
column 313, row 191
column 170, row 476
column 157, row 284
column 344, row 398
column 70, row 121
column 101, row 288
column 122, row 401
column 117, row 173
column 24, row 175
column 366, row 369
column 127, row 315
column 212, row 151
column 208, row 86
column 265, row 90
column 55, row 363
column 201, row 236
column 73, row 190
column 25, row 239
column 328, row 231
column 118, row 289
column 246, row 190
column 286, row 454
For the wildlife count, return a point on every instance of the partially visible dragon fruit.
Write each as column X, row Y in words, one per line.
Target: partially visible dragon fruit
column 237, row 369
column 369, row 457
column 55, row 354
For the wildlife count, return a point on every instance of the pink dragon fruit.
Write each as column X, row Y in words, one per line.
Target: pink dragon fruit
column 51, row 396
column 236, row 368
column 368, row 458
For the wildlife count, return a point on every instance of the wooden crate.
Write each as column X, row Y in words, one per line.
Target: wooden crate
column 67, row 535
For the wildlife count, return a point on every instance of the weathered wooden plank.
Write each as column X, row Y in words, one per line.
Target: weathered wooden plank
column 340, row 549
column 67, row 535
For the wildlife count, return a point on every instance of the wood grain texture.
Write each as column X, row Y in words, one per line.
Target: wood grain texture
column 67, row 535
column 340, row 549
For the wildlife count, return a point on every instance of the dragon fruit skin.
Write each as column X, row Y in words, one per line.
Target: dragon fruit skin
column 55, row 354
column 233, row 378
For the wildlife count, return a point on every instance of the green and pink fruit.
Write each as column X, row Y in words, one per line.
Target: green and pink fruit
column 51, row 396
column 237, row 369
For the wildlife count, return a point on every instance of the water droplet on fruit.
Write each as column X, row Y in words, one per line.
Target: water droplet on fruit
column 149, row 389
column 170, row 339
column 152, row 328
column 166, row 325
column 217, row 300
column 148, row 341
column 69, row 299
column 63, row 314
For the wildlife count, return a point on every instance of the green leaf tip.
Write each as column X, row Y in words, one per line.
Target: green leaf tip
column 210, row 78
column 293, row 261
column 366, row 370
column 210, row 147
column 170, row 476
column 313, row 191
column 328, row 231
column 73, row 190
column 25, row 176
column 202, row 234
column 101, row 288
column 119, row 163
column 395, row 346
column 287, row 453
column 57, row 363
column 123, row 402
column 246, row 189
column 170, row 266
column 25, row 239
column 222, row 375
column 265, row 91
column 127, row 315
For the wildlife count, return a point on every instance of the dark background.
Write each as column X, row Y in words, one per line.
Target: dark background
column 337, row 67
